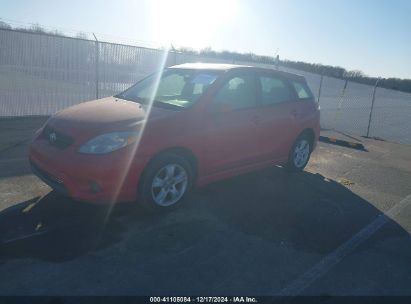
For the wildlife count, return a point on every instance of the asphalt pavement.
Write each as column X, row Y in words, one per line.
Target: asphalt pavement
column 342, row 227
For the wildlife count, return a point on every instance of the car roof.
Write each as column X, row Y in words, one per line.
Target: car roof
column 208, row 66
column 227, row 67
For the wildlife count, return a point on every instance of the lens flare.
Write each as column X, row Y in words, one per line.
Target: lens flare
column 126, row 165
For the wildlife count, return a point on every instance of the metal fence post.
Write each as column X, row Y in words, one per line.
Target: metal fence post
column 337, row 114
column 372, row 106
column 97, row 66
column 277, row 62
column 174, row 51
column 319, row 89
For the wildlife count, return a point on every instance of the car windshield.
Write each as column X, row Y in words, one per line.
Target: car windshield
column 176, row 87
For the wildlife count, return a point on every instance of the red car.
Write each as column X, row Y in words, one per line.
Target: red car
column 187, row 125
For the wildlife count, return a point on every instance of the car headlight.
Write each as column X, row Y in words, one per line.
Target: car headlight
column 109, row 142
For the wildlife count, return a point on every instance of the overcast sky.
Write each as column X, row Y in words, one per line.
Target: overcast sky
column 369, row 35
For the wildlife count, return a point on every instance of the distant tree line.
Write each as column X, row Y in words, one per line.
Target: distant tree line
column 316, row 68
column 326, row 70
column 354, row 75
column 37, row 28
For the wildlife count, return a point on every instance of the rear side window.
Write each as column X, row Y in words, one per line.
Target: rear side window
column 238, row 93
column 273, row 90
column 303, row 92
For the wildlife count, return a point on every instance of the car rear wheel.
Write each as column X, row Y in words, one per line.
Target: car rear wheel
column 166, row 182
column 299, row 154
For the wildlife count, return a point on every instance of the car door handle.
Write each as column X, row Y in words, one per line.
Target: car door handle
column 256, row 119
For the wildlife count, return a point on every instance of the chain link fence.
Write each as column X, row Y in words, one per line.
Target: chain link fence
column 41, row 74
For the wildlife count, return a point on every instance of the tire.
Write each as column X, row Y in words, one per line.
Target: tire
column 165, row 183
column 299, row 154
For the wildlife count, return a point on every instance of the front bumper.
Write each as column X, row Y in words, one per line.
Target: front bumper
column 92, row 178
column 50, row 180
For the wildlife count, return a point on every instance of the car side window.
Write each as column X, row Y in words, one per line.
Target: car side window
column 303, row 92
column 274, row 90
column 238, row 93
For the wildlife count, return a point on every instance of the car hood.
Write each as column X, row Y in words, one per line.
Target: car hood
column 104, row 115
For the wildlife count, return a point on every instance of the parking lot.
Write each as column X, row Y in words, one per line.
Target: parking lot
column 339, row 228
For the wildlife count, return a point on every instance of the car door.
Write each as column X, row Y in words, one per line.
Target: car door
column 279, row 112
column 232, row 135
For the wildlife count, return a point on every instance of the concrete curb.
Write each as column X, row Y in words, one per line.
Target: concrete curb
column 340, row 142
column 15, row 144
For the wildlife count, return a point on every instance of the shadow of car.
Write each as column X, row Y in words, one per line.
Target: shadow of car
column 303, row 210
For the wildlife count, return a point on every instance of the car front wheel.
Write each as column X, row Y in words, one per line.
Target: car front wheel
column 166, row 182
column 299, row 154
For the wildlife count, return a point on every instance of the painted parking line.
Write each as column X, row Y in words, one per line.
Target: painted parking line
column 317, row 271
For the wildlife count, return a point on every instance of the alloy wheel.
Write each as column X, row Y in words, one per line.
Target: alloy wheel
column 301, row 153
column 169, row 185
